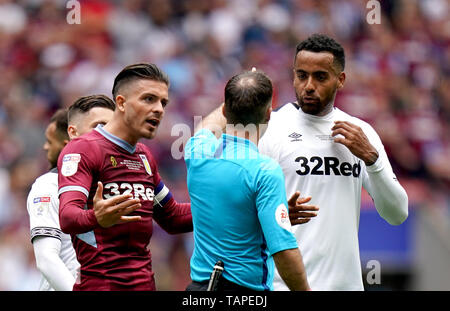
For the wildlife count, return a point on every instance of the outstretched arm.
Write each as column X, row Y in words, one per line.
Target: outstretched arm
column 172, row 216
column 299, row 212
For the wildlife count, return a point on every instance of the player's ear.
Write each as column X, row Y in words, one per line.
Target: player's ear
column 72, row 131
column 341, row 80
column 120, row 103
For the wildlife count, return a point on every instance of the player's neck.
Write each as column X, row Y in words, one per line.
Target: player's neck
column 326, row 110
column 120, row 130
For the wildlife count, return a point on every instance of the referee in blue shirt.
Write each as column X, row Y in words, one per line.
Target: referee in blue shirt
column 238, row 199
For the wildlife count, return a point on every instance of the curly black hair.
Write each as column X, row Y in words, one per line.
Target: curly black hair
column 323, row 43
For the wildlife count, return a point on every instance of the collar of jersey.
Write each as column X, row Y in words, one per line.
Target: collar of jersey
column 239, row 140
column 115, row 140
column 329, row 116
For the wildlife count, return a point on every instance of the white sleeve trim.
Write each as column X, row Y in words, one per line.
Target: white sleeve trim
column 74, row 188
column 161, row 195
column 46, row 231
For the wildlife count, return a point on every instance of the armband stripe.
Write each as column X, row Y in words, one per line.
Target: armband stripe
column 163, row 195
column 73, row 188
column 46, row 231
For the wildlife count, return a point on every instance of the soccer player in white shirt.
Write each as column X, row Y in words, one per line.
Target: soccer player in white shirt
column 329, row 155
column 54, row 253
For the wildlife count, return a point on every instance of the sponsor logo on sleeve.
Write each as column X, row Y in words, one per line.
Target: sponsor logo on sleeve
column 41, row 205
column 70, row 164
column 282, row 217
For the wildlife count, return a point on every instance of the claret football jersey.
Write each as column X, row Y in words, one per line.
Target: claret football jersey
column 117, row 257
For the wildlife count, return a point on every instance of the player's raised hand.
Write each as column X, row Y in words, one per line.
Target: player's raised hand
column 114, row 210
column 355, row 140
column 299, row 212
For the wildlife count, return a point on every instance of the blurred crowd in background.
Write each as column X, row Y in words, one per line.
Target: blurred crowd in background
column 398, row 79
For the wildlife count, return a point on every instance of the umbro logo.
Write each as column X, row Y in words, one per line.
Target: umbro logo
column 295, row 136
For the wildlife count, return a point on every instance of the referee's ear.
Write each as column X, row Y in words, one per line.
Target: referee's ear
column 268, row 112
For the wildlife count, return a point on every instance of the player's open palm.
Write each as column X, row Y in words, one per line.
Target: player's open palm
column 114, row 210
column 299, row 212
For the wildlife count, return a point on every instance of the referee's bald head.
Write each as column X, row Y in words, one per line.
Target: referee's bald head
column 247, row 98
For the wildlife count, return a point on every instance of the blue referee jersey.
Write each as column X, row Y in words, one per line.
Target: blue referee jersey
column 239, row 209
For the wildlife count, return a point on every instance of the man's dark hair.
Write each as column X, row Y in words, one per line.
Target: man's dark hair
column 138, row 71
column 60, row 119
column 86, row 103
column 323, row 43
column 247, row 95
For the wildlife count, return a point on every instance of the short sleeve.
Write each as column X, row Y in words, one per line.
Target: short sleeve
column 77, row 164
column 272, row 208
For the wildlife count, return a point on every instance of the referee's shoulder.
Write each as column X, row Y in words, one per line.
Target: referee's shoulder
column 267, row 164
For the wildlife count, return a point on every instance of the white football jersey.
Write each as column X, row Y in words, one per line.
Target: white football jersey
column 43, row 209
column 316, row 166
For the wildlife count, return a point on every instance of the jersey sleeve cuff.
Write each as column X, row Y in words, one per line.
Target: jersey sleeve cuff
column 92, row 220
column 377, row 166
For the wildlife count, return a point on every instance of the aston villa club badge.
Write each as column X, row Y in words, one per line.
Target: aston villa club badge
column 148, row 169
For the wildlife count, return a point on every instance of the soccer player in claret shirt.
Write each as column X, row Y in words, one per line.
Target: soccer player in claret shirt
column 110, row 189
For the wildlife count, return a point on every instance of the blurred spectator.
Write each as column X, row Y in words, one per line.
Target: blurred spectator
column 398, row 80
